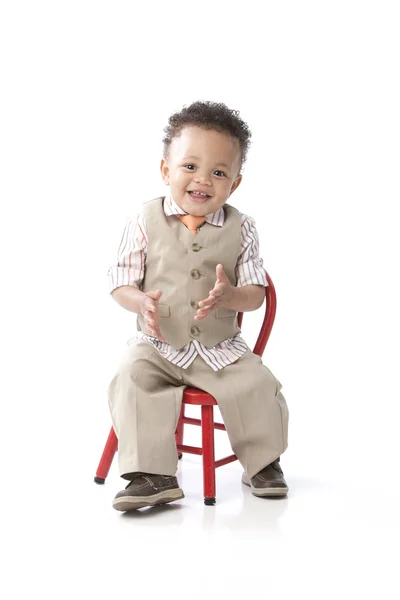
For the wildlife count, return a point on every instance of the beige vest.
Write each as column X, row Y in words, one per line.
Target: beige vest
column 183, row 267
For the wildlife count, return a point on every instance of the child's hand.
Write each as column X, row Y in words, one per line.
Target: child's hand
column 151, row 314
column 220, row 295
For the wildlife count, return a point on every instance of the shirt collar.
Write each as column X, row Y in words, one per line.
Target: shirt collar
column 171, row 208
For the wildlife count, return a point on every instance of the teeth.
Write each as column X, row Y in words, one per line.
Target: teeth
column 199, row 193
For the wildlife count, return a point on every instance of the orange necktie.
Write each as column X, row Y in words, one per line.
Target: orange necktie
column 191, row 222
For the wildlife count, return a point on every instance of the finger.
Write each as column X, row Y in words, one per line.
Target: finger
column 155, row 295
column 212, row 296
column 221, row 276
column 216, row 292
column 150, row 306
column 209, row 302
column 206, row 310
column 206, row 300
column 158, row 334
column 202, row 314
column 148, row 314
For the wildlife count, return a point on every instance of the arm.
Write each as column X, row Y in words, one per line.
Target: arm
column 246, row 298
column 127, row 275
column 130, row 298
column 251, row 278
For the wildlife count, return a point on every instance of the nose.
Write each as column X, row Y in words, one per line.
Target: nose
column 202, row 178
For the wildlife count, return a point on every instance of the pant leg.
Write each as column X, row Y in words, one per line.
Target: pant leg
column 145, row 399
column 252, row 406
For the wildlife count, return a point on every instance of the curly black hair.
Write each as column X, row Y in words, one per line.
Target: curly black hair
column 209, row 115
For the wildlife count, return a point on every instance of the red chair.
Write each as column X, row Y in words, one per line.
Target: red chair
column 207, row 402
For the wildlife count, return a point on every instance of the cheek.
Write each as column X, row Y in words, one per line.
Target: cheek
column 181, row 177
column 224, row 187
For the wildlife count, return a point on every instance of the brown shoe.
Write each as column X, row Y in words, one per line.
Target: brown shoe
column 147, row 489
column 268, row 482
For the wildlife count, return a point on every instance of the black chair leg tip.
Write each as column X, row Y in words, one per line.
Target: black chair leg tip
column 99, row 480
column 209, row 501
column 180, row 456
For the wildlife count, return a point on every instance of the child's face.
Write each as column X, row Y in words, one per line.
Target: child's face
column 199, row 162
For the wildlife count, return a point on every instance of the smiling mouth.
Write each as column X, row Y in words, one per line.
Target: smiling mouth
column 198, row 196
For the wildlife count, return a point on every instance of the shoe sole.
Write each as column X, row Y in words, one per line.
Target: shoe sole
column 134, row 502
column 264, row 492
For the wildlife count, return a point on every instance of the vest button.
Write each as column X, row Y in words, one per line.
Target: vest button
column 195, row 274
column 196, row 247
column 194, row 330
column 194, row 304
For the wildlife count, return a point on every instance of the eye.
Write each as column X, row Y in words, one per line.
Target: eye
column 219, row 173
column 190, row 167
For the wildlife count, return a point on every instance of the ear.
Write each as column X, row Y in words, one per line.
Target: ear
column 236, row 184
column 164, row 171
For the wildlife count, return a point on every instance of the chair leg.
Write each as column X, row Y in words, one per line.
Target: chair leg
column 107, row 457
column 179, row 430
column 207, row 432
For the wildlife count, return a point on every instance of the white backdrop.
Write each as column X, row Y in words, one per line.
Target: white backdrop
column 87, row 88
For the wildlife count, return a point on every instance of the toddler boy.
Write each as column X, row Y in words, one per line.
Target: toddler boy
column 187, row 265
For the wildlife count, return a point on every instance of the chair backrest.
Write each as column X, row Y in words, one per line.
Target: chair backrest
column 269, row 317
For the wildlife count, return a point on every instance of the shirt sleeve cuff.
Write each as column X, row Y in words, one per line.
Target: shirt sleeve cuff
column 119, row 276
column 252, row 274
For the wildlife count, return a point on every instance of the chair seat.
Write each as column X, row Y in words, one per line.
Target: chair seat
column 198, row 397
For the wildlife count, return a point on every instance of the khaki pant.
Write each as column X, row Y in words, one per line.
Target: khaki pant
column 145, row 399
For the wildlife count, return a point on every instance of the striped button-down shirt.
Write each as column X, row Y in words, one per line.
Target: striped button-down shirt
column 130, row 268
